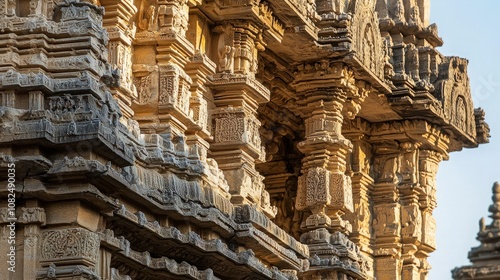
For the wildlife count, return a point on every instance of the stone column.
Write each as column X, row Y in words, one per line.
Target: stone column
column 237, row 95
column 173, row 53
column 411, row 216
column 161, row 53
column 326, row 92
column 357, row 131
column 387, row 211
column 32, row 218
column 404, row 196
column 428, row 166
column 199, row 69
column 121, row 31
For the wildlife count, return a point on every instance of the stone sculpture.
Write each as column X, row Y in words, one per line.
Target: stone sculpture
column 227, row 139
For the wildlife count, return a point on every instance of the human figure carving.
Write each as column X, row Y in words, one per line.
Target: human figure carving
column 414, row 16
column 226, row 60
column 147, row 16
column 399, row 12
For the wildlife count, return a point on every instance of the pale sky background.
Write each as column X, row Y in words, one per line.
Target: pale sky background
column 470, row 29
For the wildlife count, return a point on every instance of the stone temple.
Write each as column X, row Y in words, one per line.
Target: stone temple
column 486, row 257
column 226, row 139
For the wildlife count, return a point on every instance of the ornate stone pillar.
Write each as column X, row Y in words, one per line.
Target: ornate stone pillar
column 199, row 69
column 326, row 92
column 174, row 52
column 411, row 216
column 68, row 252
column 387, row 211
column 161, row 53
column 121, row 31
column 32, row 218
column 428, row 166
column 404, row 196
column 237, row 95
column 359, row 165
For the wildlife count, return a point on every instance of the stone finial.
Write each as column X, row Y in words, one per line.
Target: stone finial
column 485, row 257
column 494, row 208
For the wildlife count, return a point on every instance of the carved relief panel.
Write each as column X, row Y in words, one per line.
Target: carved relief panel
column 174, row 88
column 147, row 84
column 121, row 56
column 69, row 246
column 314, row 190
column 367, row 40
column 411, row 222
column 428, row 230
column 237, row 48
column 147, row 17
column 453, row 89
column 231, row 126
column 386, row 220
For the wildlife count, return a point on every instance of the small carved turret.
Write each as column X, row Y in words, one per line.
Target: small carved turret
column 485, row 257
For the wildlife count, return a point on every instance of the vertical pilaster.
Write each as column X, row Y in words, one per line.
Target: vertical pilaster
column 173, row 53
column 327, row 92
column 161, row 53
column 411, row 216
column 199, row 69
column 359, row 165
column 387, row 212
column 8, row 98
column 237, row 145
column 32, row 218
column 121, row 31
column 407, row 155
column 428, row 166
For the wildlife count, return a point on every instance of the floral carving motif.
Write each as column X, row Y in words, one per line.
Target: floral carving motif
column 71, row 244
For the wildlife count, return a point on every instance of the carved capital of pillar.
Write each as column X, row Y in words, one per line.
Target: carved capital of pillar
column 238, row 43
column 359, row 165
column 161, row 20
column 330, row 80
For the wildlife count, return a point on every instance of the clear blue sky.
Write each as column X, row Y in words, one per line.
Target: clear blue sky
column 470, row 29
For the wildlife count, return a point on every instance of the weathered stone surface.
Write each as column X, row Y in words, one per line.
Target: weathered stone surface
column 188, row 139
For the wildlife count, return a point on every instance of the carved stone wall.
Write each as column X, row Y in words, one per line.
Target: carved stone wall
column 277, row 139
